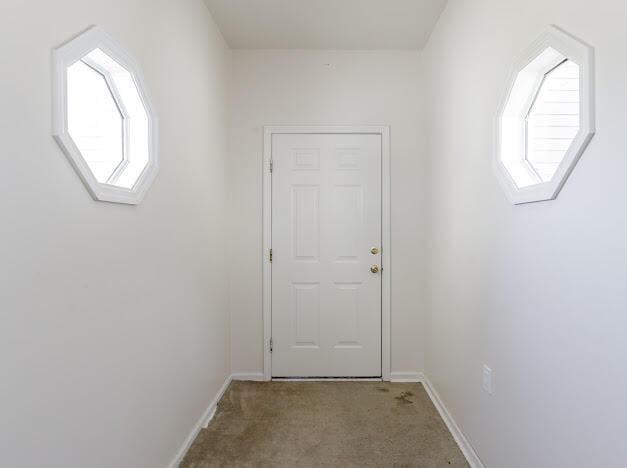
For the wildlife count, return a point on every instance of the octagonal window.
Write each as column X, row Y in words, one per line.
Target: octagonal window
column 103, row 119
column 546, row 120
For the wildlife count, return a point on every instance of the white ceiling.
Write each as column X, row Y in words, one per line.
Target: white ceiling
column 326, row 24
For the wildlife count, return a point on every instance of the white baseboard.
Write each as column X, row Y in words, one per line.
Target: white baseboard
column 406, row 377
column 471, row 456
column 250, row 376
column 202, row 423
column 394, row 377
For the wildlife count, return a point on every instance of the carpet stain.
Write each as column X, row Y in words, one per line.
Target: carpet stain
column 404, row 397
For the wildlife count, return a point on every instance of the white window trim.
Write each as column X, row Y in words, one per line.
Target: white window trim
column 386, row 297
column 583, row 55
column 62, row 58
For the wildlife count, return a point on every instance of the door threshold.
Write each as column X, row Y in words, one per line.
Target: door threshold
column 327, row 379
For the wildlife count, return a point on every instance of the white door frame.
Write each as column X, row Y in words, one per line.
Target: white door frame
column 386, row 237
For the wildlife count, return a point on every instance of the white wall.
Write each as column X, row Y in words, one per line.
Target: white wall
column 535, row 291
column 113, row 318
column 299, row 88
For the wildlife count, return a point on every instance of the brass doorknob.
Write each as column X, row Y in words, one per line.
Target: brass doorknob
column 374, row 268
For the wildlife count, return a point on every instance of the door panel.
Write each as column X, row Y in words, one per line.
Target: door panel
column 326, row 217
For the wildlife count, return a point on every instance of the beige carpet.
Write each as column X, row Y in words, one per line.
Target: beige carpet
column 344, row 424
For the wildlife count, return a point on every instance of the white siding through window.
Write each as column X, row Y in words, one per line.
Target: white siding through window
column 553, row 120
column 94, row 120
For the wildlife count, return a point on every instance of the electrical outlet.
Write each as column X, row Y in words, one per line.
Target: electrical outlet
column 487, row 380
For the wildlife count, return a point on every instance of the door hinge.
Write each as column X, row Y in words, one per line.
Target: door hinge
column 271, row 165
column 270, row 255
column 271, row 344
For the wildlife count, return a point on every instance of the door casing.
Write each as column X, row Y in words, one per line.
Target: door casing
column 384, row 132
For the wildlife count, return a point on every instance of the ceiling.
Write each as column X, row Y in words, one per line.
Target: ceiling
column 326, row 24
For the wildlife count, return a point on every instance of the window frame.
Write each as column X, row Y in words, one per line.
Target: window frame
column 62, row 57
column 536, row 95
column 569, row 48
column 117, row 99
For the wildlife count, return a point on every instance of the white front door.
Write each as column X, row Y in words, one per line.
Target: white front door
column 326, row 245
